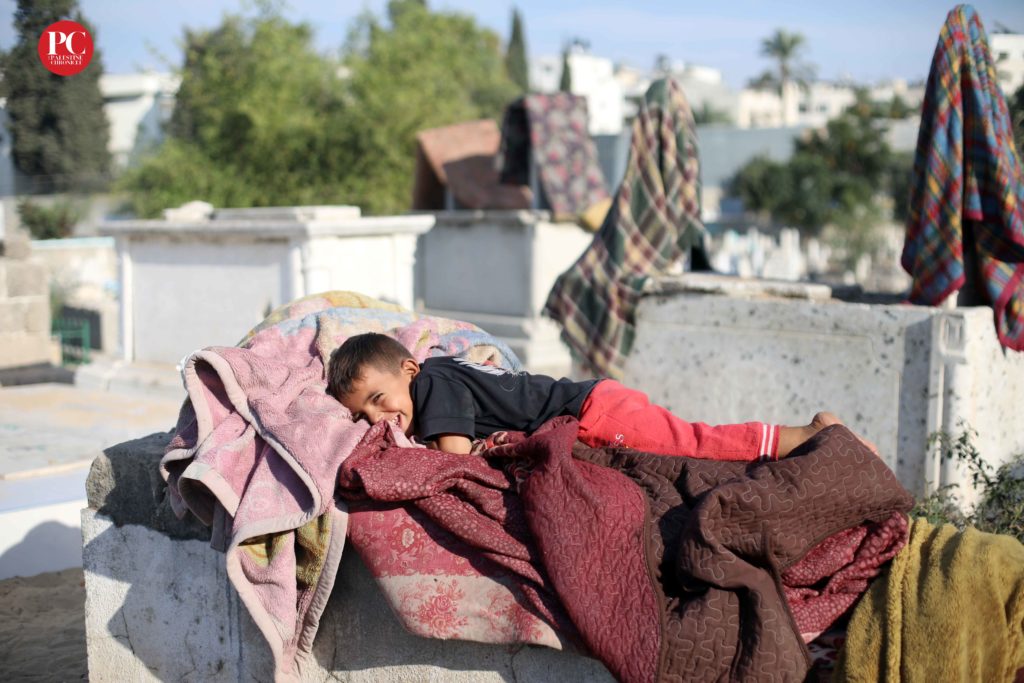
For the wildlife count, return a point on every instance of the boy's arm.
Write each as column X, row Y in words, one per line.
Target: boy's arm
column 453, row 443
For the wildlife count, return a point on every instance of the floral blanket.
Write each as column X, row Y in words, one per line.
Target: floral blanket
column 550, row 130
column 666, row 569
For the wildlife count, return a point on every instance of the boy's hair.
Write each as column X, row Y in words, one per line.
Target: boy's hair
column 350, row 359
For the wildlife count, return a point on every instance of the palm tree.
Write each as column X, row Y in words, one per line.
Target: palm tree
column 785, row 48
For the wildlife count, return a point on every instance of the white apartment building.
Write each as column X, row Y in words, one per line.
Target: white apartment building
column 821, row 102
column 137, row 106
column 592, row 77
column 912, row 95
column 1008, row 51
column 767, row 109
column 706, row 89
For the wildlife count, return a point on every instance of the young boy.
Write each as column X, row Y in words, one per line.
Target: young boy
column 449, row 401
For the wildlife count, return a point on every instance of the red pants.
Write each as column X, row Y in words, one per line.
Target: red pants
column 614, row 415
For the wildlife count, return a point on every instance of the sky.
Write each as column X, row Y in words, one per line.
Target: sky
column 865, row 40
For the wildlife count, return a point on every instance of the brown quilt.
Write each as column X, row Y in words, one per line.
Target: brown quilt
column 669, row 568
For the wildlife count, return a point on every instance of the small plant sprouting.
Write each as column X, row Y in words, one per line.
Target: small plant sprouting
column 1000, row 508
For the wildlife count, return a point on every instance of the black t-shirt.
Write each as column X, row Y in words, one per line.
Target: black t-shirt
column 456, row 396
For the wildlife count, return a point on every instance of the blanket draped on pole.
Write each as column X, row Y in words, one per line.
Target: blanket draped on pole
column 550, row 131
column 653, row 221
column 258, row 444
column 967, row 196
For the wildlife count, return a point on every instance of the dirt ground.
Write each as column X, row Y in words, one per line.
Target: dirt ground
column 42, row 627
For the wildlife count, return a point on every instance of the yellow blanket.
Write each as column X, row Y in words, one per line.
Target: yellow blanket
column 951, row 608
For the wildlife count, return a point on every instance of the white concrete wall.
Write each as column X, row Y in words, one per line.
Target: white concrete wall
column 159, row 609
column 84, row 271
column 893, row 373
column 189, row 295
column 84, row 266
column 1008, row 51
column 24, row 310
column 202, row 277
column 495, row 269
column 380, row 266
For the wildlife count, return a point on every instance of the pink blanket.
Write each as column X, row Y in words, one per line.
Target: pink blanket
column 258, row 445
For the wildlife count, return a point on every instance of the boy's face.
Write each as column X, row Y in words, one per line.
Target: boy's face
column 383, row 395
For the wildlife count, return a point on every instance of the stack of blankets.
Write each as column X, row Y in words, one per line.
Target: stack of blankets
column 664, row 568
column 258, row 444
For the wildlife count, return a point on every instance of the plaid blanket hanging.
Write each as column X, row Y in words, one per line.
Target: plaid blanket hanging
column 967, row 197
column 653, row 221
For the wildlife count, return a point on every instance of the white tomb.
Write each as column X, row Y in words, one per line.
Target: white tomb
column 495, row 269
column 200, row 277
column 718, row 349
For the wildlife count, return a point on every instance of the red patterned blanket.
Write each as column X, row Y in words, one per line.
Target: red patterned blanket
column 663, row 568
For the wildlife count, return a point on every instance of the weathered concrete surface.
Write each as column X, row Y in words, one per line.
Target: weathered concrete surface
column 47, row 425
column 49, row 435
column 24, row 311
column 125, row 485
column 155, row 608
column 895, row 374
column 160, row 606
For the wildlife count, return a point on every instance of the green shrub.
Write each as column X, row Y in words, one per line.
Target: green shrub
column 48, row 222
column 1000, row 508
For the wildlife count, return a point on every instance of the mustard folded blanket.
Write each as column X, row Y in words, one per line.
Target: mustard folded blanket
column 951, row 608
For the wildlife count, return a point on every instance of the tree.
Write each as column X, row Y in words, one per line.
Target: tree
column 256, row 122
column 565, row 82
column 761, row 184
column 262, row 119
column 900, row 177
column 56, row 221
column 59, row 132
column 836, row 177
column 766, row 80
column 424, row 69
column 898, row 108
column 515, row 55
column 785, row 48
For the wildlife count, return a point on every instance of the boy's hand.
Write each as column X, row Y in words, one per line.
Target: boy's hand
column 791, row 437
column 453, row 443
